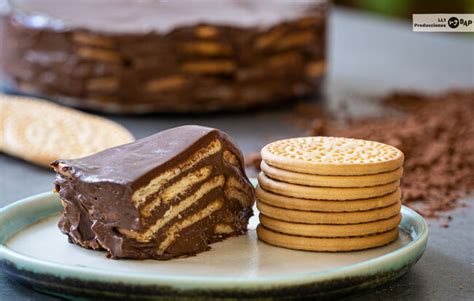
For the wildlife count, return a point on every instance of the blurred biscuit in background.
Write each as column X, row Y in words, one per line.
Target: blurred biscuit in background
column 40, row 132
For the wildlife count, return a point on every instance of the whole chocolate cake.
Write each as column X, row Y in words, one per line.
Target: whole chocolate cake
column 163, row 56
column 168, row 195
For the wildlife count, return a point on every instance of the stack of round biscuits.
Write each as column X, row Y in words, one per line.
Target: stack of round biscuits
column 329, row 194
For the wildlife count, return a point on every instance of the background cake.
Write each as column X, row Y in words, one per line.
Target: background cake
column 163, row 56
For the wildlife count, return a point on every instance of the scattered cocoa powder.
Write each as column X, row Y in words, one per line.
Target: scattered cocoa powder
column 436, row 133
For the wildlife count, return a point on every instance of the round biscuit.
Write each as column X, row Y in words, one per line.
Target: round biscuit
column 325, row 193
column 41, row 132
column 330, row 181
column 325, row 205
column 339, row 244
column 332, row 218
column 331, row 230
column 332, row 156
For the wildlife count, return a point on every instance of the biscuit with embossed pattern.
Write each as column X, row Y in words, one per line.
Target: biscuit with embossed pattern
column 41, row 132
column 282, row 201
column 326, row 193
column 330, row 181
column 326, row 244
column 331, row 230
column 332, row 156
column 329, row 218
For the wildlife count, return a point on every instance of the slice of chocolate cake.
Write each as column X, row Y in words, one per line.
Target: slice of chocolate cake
column 168, row 195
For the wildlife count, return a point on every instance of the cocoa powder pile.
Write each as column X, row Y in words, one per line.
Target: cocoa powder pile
column 436, row 133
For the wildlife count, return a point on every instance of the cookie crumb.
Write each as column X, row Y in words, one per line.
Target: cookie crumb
column 253, row 160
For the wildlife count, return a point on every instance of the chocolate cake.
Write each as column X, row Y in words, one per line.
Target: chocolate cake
column 164, row 56
column 168, row 195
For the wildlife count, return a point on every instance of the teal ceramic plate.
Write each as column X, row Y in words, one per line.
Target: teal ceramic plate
column 35, row 253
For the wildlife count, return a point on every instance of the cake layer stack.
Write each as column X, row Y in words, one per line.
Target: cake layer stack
column 122, row 56
column 329, row 194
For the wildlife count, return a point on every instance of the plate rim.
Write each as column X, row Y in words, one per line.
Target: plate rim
column 412, row 251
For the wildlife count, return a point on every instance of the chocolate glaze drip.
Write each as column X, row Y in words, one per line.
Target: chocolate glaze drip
column 97, row 195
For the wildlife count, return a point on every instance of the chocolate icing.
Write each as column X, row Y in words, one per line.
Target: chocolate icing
column 164, row 56
column 97, row 194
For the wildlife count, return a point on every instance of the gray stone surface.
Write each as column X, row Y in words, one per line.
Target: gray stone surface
column 369, row 55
